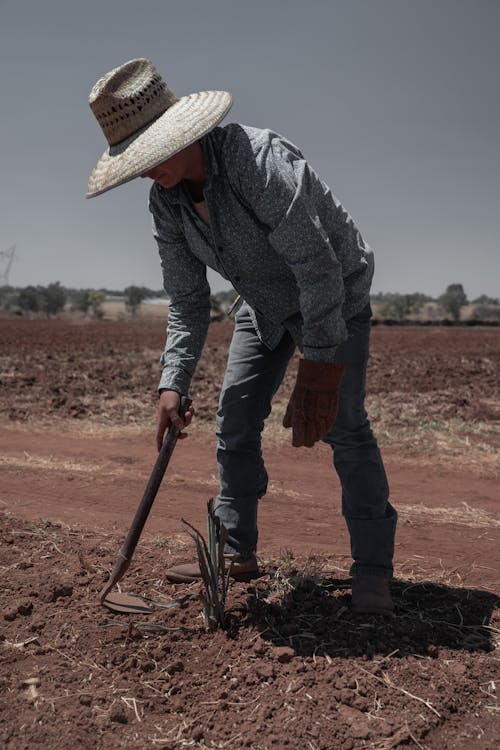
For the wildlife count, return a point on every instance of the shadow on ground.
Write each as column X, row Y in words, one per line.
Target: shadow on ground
column 312, row 615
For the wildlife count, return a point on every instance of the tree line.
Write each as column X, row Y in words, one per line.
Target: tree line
column 401, row 307
column 54, row 298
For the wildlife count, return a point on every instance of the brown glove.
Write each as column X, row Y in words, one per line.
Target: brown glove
column 314, row 403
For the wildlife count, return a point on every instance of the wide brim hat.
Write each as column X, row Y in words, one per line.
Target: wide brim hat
column 145, row 123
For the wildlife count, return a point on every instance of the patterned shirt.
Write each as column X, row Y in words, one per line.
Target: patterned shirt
column 276, row 232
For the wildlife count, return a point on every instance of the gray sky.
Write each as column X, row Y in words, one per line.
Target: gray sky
column 394, row 102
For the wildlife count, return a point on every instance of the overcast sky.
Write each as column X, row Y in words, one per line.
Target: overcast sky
column 394, row 102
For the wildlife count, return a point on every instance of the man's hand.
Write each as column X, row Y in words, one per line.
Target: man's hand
column 168, row 413
column 314, row 403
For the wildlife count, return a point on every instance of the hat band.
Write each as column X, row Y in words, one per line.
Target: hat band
column 118, row 148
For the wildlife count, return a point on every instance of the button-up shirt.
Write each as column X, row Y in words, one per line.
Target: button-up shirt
column 276, row 232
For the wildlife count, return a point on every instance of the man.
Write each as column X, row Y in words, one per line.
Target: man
column 245, row 202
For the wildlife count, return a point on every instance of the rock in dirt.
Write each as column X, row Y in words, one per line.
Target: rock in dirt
column 85, row 700
column 35, row 681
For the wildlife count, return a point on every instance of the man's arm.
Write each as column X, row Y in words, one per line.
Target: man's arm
column 185, row 282
column 186, row 285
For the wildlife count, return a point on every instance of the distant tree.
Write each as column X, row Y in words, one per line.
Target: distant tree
column 453, row 300
column 53, row 298
column 30, row 299
column 134, row 295
column 80, row 301
column 9, row 297
column 223, row 300
column 485, row 300
column 486, row 312
column 96, row 299
column 400, row 306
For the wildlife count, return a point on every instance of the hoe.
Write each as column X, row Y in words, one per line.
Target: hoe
column 118, row 601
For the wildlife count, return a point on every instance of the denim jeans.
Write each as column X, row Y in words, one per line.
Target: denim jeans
column 253, row 375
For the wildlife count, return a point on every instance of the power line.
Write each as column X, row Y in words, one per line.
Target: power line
column 8, row 256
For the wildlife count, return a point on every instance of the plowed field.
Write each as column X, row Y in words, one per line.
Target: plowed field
column 295, row 667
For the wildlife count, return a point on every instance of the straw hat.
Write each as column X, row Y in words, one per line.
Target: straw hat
column 145, row 123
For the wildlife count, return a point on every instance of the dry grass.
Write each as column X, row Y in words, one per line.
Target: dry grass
column 464, row 515
column 413, row 425
column 53, row 463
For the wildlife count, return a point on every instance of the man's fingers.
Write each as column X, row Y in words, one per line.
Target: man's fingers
column 177, row 421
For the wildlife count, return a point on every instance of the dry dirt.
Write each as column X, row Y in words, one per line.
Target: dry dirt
column 295, row 667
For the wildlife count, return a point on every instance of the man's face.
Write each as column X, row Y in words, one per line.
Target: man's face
column 170, row 172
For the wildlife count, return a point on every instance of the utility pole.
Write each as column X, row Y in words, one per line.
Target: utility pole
column 7, row 256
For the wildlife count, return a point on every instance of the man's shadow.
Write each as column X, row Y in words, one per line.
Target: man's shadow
column 313, row 616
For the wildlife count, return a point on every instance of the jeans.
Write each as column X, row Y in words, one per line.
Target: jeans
column 253, row 375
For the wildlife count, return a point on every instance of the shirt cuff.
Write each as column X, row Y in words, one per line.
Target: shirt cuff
column 175, row 379
column 320, row 354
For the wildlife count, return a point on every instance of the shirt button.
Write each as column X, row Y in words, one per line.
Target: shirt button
column 237, row 278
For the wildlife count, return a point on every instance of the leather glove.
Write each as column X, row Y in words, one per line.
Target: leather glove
column 314, row 403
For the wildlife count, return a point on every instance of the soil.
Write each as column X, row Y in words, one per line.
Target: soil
column 294, row 667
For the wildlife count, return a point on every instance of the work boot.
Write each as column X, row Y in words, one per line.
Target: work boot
column 371, row 595
column 241, row 569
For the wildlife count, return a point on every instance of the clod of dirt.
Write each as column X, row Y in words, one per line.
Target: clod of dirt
column 25, row 608
column 175, row 666
column 85, row 700
column 10, row 613
column 284, row 654
column 57, row 591
column 265, row 671
column 118, row 715
column 356, row 721
column 37, row 626
column 198, row 734
column 259, row 647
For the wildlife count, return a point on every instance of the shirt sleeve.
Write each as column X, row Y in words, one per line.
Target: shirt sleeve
column 285, row 193
column 188, row 291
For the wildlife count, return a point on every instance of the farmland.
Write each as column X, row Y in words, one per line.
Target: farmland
column 295, row 668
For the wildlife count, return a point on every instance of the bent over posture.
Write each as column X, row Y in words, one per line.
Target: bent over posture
column 246, row 203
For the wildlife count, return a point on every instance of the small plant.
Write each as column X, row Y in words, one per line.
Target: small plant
column 212, row 567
